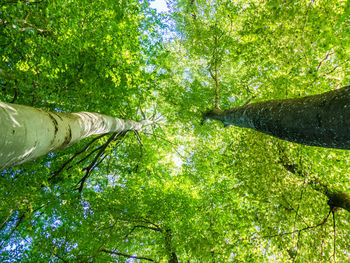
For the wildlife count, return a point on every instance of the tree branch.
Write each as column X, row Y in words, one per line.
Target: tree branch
column 20, row 219
column 95, row 162
column 75, row 156
column 146, row 227
column 298, row 230
column 172, row 257
column 193, row 14
column 336, row 198
column 173, row 144
column 333, row 213
column 6, row 219
column 125, row 255
column 215, row 75
column 323, row 60
column 60, row 258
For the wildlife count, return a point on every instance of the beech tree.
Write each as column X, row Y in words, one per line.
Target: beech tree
column 28, row 133
column 184, row 189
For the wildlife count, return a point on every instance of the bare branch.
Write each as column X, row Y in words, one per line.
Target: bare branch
column 137, row 135
column 75, row 156
column 141, row 149
column 323, row 60
column 87, row 156
column 95, row 162
column 296, row 212
column 142, row 113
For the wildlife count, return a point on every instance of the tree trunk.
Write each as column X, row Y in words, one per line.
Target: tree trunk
column 321, row 120
column 27, row 133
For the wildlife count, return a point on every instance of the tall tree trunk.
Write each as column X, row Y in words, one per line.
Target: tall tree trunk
column 27, row 133
column 321, row 120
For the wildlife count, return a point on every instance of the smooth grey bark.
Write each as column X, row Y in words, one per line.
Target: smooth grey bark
column 321, row 120
column 27, row 133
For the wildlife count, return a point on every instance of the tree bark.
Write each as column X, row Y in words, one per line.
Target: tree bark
column 27, row 133
column 321, row 120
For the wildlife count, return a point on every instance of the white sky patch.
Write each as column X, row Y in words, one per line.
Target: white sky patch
column 177, row 160
column 159, row 5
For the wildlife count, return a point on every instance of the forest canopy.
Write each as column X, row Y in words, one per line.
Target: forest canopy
column 184, row 187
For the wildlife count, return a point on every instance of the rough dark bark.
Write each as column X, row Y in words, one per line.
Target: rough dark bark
column 321, row 120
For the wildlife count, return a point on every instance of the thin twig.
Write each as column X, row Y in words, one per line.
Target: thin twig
column 7, row 219
column 74, row 156
column 146, row 227
column 124, row 255
column 303, row 32
column 297, row 248
column 95, row 161
column 296, row 231
column 87, row 156
column 296, row 212
column 151, row 223
column 298, row 207
column 159, row 137
column 20, row 219
column 141, row 150
column 249, row 100
column 323, row 60
column 59, row 257
column 333, row 212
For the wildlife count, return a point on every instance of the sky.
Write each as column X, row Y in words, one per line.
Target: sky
column 160, row 5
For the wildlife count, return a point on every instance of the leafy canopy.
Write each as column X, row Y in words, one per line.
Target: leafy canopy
column 196, row 190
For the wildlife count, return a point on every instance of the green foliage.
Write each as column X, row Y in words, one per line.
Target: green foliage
column 207, row 193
